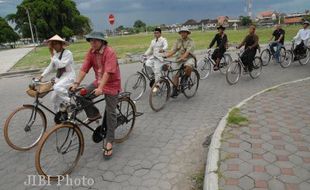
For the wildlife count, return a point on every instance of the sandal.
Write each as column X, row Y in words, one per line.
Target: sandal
column 106, row 151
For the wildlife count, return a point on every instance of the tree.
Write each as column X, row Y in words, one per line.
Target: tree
column 50, row 17
column 7, row 33
column 139, row 24
column 245, row 20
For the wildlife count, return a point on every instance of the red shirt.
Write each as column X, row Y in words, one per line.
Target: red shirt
column 103, row 61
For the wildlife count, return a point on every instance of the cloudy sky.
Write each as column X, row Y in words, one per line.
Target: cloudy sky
column 167, row 11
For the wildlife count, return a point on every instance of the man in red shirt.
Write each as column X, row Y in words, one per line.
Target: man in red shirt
column 103, row 60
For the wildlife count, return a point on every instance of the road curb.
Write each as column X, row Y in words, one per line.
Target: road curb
column 211, row 177
column 19, row 72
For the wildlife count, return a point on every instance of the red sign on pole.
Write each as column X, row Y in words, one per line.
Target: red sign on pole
column 111, row 19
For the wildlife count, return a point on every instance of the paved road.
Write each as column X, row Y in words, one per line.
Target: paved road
column 10, row 57
column 272, row 150
column 164, row 149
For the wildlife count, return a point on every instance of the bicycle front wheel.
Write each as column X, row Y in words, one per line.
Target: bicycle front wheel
column 24, row 127
column 233, row 73
column 159, row 95
column 59, row 151
column 288, row 59
column 136, row 85
column 257, row 68
column 190, row 85
column 126, row 115
column 265, row 55
column 306, row 58
column 204, row 68
column 282, row 55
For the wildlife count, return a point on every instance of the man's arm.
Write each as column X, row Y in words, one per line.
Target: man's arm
column 212, row 42
column 255, row 43
column 280, row 38
column 242, row 43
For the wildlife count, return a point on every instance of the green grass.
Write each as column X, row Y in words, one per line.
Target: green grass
column 139, row 43
column 236, row 118
column 197, row 180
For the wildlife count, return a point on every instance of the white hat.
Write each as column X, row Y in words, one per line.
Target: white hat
column 58, row 38
column 184, row 29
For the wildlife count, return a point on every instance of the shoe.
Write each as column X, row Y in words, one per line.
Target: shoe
column 91, row 119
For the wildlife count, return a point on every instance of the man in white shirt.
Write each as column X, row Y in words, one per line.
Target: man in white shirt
column 301, row 40
column 155, row 52
column 62, row 62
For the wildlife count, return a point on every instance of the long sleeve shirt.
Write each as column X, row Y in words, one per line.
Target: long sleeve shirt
column 302, row 35
column 250, row 41
column 221, row 41
column 65, row 62
column 156, row 46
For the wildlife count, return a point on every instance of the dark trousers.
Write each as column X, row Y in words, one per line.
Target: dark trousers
column 218, row 53
column 300, row 49
column 110, row 111
column 247, row 58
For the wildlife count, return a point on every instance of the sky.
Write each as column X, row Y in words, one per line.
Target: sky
column 155, row 12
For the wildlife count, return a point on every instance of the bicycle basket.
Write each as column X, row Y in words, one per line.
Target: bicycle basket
column 39, row 90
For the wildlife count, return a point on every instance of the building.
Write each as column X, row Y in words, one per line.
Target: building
column 267, row 18
column 223, row 20
column 191, row 24
column 295, row 18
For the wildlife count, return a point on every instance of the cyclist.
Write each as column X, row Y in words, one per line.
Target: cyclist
column 278, row 35
column 62, row 62
column 251, row 45
column 103, row 60
column 158, row 46
column 184, row 48
column 301, row 40
column 221, row 44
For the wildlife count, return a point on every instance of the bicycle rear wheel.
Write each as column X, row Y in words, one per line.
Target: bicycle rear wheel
column 257, row 68
column 24, row 127
column 190, row 85
column 136, row 85
column 225, row 61
column 306, row 58
column 204, row 68
column 233, row 73
column 266, row 56
column 59, row 151
column 159, row 96
column 288, row 59
column 126, row 115
column 282, row 54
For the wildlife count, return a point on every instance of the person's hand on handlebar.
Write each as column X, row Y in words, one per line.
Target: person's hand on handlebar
column 74, row 86
column 97, row 92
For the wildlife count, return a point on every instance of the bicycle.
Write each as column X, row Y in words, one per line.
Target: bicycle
column 268, row 53
column 62, row 146
column 290, row 56
column 234, row 70
column 136, row 83
column 25, row 136
column 206, row 63
column 187, row 85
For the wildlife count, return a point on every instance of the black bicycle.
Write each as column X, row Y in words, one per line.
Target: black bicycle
column 26, row 125
column 136, row 83
column 204, row 65
column 234, row 71
column 269, row 53
column 62, row 146
column 161, row 90
column 290, row 57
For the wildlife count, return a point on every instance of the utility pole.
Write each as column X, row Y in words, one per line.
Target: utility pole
column 30, row 25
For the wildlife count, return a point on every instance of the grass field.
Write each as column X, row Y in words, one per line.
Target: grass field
column 139, row 43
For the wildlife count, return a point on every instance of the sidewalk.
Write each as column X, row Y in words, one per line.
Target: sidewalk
column 271, row 149
column 10, row 57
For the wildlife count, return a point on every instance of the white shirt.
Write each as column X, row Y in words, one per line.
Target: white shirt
column 66, row 61
column 302, row 35
column 157, row 45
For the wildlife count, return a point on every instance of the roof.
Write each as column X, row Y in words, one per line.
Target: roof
column 191, row 22
column 293, row 20
column 266, row 13
column 222, row 19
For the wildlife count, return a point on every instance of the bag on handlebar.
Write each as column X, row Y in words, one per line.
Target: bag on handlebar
column 39, row 90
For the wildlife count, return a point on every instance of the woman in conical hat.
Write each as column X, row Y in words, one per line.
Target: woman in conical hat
column 61, row 62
